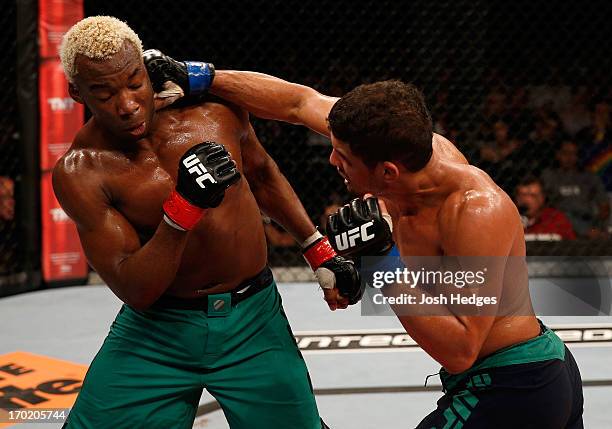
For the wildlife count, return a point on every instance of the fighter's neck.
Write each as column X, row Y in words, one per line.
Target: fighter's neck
column 147, row 143
column 426, row 188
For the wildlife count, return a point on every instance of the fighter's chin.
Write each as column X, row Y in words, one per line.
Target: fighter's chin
column 138, row 132
column 355, row 190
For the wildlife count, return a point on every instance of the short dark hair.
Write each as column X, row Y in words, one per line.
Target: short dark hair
column 530, row 179
column 385, row 121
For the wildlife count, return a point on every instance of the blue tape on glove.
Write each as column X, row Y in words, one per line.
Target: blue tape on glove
column 389, row 262
column 200, row 76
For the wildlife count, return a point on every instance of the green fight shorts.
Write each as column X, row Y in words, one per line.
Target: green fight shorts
column 153, row 365
column 533, row 384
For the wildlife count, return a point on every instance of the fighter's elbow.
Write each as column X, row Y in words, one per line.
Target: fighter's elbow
column 138, row 304
column 461, row 360
column 303, row 97
column 139, row 299
column 458, row 365
column 294, row 114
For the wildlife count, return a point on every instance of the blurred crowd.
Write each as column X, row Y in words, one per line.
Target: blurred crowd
column 548, row 146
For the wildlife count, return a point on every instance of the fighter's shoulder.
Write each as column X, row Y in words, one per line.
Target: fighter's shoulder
column 81, row 157
column 216, row 105
column 213, row 109
column 483, row 205
column 82, row 164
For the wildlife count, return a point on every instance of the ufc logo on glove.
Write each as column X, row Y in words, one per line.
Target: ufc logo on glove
column 348, row 239
column 359, row 228
column 195, row 166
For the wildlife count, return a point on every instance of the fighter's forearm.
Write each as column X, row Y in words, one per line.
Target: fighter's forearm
column 444, row 335
column 263, row 95
column 278, row 200
column 269, row 97
column 142, row 277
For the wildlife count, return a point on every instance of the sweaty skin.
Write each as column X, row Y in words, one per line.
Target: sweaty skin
column 114, row 179
column 447, row 208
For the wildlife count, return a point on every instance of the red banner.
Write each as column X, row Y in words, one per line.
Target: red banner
column 60, row 119
column 60, row 116
column 63, row 256
column 55, row 17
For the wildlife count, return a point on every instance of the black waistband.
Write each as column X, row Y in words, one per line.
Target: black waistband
column 253, row 285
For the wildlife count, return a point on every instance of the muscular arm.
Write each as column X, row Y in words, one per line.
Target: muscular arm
column 273, row 193
column 137, row 274
column 272, row 98
column 475, row 224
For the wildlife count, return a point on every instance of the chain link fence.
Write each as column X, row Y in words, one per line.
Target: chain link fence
column 11, row 255
column 523, row 89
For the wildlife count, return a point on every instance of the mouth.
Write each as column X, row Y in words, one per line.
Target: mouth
column 137, row 129
column 341, row 173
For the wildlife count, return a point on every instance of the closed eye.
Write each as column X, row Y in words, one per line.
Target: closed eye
column 105, row 98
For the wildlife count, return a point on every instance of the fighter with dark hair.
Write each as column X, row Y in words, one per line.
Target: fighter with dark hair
column 498, row 371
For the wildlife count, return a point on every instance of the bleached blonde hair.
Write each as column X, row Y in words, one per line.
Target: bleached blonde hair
column 96, row 37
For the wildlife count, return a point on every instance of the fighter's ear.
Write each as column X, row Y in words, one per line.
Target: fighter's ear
column 390, row 171
column 74, row 93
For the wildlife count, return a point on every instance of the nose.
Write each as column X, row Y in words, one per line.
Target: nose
column 333, row 159
column 127, row 105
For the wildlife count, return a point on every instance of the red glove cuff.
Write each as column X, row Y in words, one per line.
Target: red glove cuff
column 182, row 212
column 319, row 252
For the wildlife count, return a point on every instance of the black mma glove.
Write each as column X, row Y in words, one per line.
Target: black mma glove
column 205, row 171
column 360, row 229
column 193, row 77
column 331, row 270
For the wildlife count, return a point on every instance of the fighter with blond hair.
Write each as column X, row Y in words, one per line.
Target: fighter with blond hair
column 171, row 222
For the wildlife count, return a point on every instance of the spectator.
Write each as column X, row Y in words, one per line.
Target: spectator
column 540, row 221
column 520, row 117
column 496, row 156
column 538, row 153
column 494, row 110
column 441, row 110
column 576, row 116
column 596, row 144
column 554, row 93
column 500, row 147
column 579, row 194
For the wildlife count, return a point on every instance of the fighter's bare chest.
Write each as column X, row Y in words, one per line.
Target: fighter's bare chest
column 138, row 183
